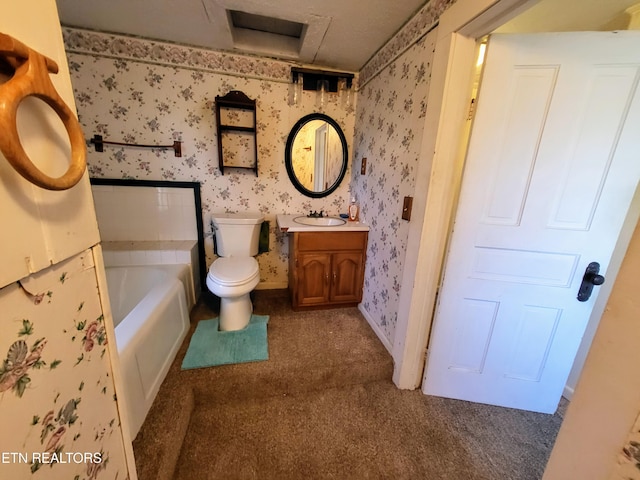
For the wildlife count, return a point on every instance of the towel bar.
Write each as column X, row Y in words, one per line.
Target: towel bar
column 31, row 78
column 99, row 143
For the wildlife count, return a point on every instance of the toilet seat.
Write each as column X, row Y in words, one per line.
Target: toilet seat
column 234, row 271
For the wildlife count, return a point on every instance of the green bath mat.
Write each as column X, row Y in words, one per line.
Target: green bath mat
column 210, row 347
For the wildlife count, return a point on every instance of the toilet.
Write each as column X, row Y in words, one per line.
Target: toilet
column 235, row 273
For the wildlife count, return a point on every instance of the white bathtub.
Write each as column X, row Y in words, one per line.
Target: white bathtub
column 151, row 315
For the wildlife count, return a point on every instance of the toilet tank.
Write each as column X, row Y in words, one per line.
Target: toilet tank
column 237, row 234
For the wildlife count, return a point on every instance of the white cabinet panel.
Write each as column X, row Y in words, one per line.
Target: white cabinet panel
column 41, row 227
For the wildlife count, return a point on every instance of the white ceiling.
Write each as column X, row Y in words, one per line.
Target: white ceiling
column 339, row 34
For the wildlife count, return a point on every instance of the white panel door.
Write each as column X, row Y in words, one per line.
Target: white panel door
column 552, row 166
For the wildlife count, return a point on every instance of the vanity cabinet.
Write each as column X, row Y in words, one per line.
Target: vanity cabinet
column 326, row 269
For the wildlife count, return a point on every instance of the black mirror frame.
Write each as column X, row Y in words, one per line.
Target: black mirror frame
column 288, row 161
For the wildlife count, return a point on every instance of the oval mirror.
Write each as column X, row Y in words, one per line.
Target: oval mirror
column 316, row 155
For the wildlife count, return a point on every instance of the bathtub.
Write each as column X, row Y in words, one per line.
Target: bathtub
column 151, row 316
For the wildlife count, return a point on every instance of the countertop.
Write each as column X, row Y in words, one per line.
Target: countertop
column 286, row 224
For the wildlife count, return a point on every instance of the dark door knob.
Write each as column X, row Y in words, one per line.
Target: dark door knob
column 589, row 279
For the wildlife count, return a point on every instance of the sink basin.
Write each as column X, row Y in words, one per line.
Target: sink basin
column 320, row 222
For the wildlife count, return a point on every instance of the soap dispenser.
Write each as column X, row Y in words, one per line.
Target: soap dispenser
column 353, row 210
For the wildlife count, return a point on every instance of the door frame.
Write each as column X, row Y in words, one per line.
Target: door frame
column 320, row 158
column 440, row 173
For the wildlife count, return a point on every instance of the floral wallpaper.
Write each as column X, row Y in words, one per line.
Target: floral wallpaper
column 58, row 406
column 138, row 91
column 389, row 123
column 161, row 53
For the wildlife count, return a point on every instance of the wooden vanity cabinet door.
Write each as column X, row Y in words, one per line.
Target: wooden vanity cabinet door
column 326, row 269
column 346, row 272
column 314, row 274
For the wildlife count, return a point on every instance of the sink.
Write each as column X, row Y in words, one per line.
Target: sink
column 320, row 221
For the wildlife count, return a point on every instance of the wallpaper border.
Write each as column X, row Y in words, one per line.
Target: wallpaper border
column 122, row 47
column 89, row 42
column 425, row 20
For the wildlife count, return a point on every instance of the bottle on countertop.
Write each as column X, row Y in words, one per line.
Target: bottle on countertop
column 353, row 211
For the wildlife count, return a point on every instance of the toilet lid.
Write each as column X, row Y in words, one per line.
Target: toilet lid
column 233, row 270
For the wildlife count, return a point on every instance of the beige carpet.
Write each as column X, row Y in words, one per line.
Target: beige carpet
column 322, row 407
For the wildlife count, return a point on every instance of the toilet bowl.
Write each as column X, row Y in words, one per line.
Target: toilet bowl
column 235, row 273
column 232, row 279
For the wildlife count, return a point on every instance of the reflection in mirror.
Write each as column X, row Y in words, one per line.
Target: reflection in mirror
column 316, row 155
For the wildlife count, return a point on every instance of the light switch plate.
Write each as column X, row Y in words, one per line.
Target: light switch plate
column 363, row 166
column 406, row 208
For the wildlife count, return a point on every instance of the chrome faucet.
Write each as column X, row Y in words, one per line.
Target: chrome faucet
column 314, row 214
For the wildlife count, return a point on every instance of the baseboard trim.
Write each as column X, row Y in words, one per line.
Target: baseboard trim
column 271, row 285
column 567, row 392
column 377, row 330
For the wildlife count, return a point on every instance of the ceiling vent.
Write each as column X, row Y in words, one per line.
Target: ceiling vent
column 260, row 23
column 273, row 36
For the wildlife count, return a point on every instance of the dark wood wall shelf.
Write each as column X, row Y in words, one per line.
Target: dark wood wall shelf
column 231, row 110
